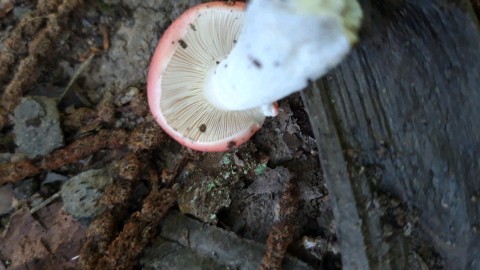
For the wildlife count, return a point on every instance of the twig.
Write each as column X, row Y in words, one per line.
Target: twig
column 27, row 72
column 144, row 137
column 45, row 203
column 104, row 228
column 81, row 148
column 75, row 76
column 138, row 231
column 281, row 234
column 25, row 29
column 104, row 251
column 116, row 198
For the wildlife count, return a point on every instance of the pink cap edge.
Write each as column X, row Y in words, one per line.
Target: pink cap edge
column 159, row 62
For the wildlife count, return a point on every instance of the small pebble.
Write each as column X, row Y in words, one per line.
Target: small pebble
column 25, row 189
column 81, row 193
column 37, row 126
column 6, row 199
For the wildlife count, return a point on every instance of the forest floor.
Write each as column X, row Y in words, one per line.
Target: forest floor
column 88, row 180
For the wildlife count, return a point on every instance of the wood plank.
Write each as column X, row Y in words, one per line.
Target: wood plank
column 402, row 115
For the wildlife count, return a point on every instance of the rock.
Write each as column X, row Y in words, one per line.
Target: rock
column 6, row 199
column 225, row 247
column 81, row 193
column 133, row 44
column 5, row 157
column 131, row 48
column 170, row 255
column 255, row 208
column 318, row 247
column 126, row 97
column 52, row 177
column 37, row 126
column 271, row 181
column 24, row 189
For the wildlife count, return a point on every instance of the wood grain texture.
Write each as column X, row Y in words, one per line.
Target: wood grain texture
column 402, row 115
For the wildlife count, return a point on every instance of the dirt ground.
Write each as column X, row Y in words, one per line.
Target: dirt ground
column 94, row 132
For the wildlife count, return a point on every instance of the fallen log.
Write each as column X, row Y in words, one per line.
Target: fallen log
column 401, row 116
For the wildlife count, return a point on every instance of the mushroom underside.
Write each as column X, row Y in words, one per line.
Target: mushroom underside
column 189, row 115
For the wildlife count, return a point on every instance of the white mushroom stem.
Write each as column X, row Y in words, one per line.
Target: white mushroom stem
column 282, row 46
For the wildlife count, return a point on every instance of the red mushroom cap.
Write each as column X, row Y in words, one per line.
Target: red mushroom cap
column 180, row 109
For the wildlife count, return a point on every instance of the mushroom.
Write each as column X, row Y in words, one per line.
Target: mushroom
column 218, row 71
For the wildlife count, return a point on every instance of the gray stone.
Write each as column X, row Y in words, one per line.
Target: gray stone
column 52, row 177
column 225, row 247
column 271, row 181
column 24, row 189
column 126, row 97
column 6, row 199
column 169, row 255
column 5, row 157
column 37, row 126
column 132, row 46
column 81, row 193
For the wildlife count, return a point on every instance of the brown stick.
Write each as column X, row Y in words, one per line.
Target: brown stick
column 145, row 136
column 25, row 29
column 83, row 147
column 281, row 234
column 117, row 200
column 27, row 72
column 138, row 231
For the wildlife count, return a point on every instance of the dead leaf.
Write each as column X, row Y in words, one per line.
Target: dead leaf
column 5, row 7
column 48, row 240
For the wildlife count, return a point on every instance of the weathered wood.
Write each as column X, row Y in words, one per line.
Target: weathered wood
column 402, row 115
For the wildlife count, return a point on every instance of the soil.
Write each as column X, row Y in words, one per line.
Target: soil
column 95, row 70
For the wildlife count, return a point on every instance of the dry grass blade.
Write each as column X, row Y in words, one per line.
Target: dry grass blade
column 77, row 74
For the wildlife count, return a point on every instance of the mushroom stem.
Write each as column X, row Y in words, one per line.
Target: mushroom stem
column 282, row 46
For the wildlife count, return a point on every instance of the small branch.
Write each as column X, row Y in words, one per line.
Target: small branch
column 26, row 28
column 281, row 234
column 138, row 231
column 144, row 137
column 27, row 72
column 117, row 200
column 81, row 148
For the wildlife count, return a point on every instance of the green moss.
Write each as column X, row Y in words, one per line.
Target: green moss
column 226, row 175
column 102, row 6
column 260, row 169
column 227, row 159
column 211, row 186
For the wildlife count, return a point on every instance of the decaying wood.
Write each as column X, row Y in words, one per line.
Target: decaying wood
column 281, row 234
column 123, row 251
column 401, row 115
column 117, row 199
column 225, row 247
